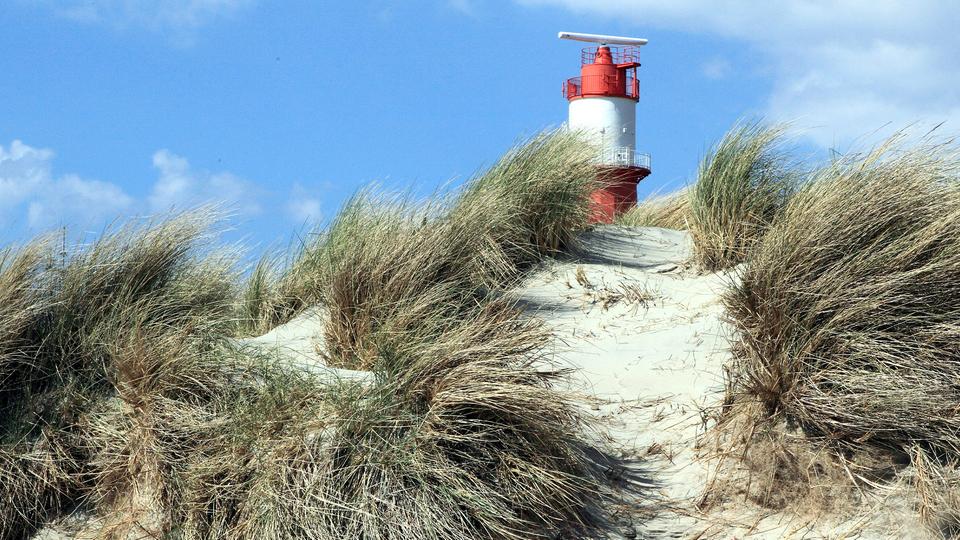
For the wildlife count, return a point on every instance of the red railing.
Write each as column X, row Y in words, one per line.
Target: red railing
column 573, row 87
column 619, row 55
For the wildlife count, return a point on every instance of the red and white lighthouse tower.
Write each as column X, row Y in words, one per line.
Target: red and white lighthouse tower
column 603, row 108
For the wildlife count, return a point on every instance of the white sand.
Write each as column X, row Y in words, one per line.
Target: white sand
column 654, row 363
column 297, row 344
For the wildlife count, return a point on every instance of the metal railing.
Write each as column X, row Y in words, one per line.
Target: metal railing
column 624, row 156
column 619, row 55
column 573, row 87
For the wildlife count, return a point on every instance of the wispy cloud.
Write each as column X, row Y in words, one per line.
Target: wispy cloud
column 716, row 68
column 841, row 69
column 467, row 7
column 179, row 20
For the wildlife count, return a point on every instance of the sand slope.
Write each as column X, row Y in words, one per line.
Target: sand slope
column 297, row 345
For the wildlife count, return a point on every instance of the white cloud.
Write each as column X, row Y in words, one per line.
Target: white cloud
column 179, row 186
column 303, row 208
column 179, row 19
column 26, row 179
column 22, row 169
column 72, row 198
column 32, row 197
column 841, row 69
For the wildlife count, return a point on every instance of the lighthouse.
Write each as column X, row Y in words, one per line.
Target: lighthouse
column 603, row 109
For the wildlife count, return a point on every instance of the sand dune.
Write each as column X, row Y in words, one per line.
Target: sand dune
column 646, row 337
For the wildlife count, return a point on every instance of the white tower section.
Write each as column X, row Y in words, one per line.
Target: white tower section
column 610, row 124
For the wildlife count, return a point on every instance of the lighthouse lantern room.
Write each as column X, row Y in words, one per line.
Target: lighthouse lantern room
column 603, row 109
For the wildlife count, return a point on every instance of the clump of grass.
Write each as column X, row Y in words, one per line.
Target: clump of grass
column 468, row 435
column 38, row 479
column 534, row 199
column 34, row 471
column 473, row 240
column 174, row 399
column 848, row 312
column 671, row 211
column 259, row 307
column 525, row 207
column 460, row 436
column 58, row 351
column 497, row 443
column 938, row 493
column 742, row 184
column 768, row 460
column 274, row 292
column 259, row 446
column 389, row 264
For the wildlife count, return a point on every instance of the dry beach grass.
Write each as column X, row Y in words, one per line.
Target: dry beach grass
column 846, row 317
column 670, row 211
column 70, row 339
column 741, row 185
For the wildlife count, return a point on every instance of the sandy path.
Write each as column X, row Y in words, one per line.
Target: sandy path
column 646, row 338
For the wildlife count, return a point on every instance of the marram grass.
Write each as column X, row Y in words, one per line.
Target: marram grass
column 741, row 185
column 670, row 211
column 847, row 314
column 68, row 314
column 527, row 206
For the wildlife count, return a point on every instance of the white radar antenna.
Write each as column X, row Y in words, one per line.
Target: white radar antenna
column 602, row 39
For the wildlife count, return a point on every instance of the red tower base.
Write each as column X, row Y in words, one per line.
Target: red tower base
column 618, row 194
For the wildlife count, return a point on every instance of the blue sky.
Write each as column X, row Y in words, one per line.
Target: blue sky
column 116, row 108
